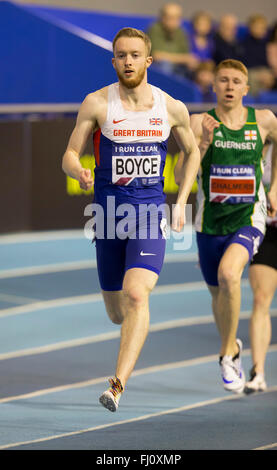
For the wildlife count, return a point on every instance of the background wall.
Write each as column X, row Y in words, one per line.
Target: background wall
column 241, row 8
column 36, row 57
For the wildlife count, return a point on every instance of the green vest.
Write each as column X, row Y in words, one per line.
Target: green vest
column 231, row 193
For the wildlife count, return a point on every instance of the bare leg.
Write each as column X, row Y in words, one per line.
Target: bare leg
column 130, row 307
column 214, row 293
column 263, row 280
column 114, row 303
column 229, row 296
column 137, row 285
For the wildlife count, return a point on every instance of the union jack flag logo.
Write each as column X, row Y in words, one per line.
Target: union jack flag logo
column 155, row 121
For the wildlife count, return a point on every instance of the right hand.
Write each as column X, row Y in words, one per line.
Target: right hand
column 85, row 179
column 178, row 217
column 208, row 126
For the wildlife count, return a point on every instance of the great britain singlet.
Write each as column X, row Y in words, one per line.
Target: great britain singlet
column 130, row 151
column 230, row 190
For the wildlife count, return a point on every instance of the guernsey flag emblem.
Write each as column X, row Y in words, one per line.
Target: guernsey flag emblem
column 250, row 135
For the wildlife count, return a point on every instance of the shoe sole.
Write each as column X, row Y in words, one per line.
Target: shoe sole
column 235, row 390
column 249, row 390
column 108, row 403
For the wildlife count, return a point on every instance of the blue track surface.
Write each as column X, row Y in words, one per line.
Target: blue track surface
column 57, row 348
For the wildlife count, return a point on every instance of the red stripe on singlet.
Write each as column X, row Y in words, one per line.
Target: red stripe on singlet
column 96, row 145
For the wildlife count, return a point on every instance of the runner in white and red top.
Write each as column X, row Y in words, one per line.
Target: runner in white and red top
column 131, row 121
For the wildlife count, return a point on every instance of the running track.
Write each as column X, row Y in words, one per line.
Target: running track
column 57, row 348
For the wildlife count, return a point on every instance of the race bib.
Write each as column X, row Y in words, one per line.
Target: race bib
column 232, row 184
column 140, row 162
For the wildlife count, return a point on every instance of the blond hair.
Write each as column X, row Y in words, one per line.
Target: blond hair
column 134, row 33
column 232, row 64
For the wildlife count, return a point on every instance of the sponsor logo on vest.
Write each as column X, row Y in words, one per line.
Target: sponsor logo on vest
column 230, row 144
column 120, row 120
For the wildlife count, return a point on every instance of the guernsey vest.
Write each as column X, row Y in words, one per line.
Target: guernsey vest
column 230, row 189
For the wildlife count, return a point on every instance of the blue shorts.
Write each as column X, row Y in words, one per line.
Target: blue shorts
column 116, row 255
column 211, row 248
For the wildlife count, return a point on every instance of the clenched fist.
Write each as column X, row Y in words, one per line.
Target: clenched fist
column 208, row 126
column 85, row 179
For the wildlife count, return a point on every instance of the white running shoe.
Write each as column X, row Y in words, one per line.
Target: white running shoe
column 232, row 373
column 110, row 398
column 256, row 383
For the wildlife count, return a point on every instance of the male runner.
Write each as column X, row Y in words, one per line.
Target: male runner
column 263, row 280
column 131, row 121
column 231, row 213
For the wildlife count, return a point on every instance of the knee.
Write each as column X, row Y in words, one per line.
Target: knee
column 136, row 296
column 261, row 299
column 228, row 278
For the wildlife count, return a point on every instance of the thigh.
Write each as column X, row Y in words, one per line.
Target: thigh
column 248, row 237
column 263, row 279
column 233, row 262
column 267, row 252
column 111, row 257
column 139, row 282
column 210, row 252
column 147, row 252
column 238, row 250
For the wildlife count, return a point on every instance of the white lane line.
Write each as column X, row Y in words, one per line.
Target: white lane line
column 269, row 446
column 31, row 237
column 45, row 304
column 80, row 299
column 137, row 372
column 78, row 265
column 69, row 234
column 47, row 268
column 17, row 299
column 197, row 320
column 200, row 404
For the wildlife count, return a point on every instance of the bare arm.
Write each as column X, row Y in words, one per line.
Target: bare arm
column 188, row 168
column 268, row 122
column 202, row 126
column 85, row 124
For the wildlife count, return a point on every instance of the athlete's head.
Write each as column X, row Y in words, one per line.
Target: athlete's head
column 230, row 82
column 131, row 48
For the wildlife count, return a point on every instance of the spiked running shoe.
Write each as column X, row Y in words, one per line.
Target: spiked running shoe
column 256, row 383
column 232, row 373
column 110, row 398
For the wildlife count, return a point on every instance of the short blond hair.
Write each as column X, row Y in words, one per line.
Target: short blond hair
column 134, row 33
column 232, row 64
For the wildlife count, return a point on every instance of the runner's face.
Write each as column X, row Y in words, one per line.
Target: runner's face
column 230, row 86
column 130, row 61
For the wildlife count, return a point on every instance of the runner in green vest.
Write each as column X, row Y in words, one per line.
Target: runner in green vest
column 231, row 202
